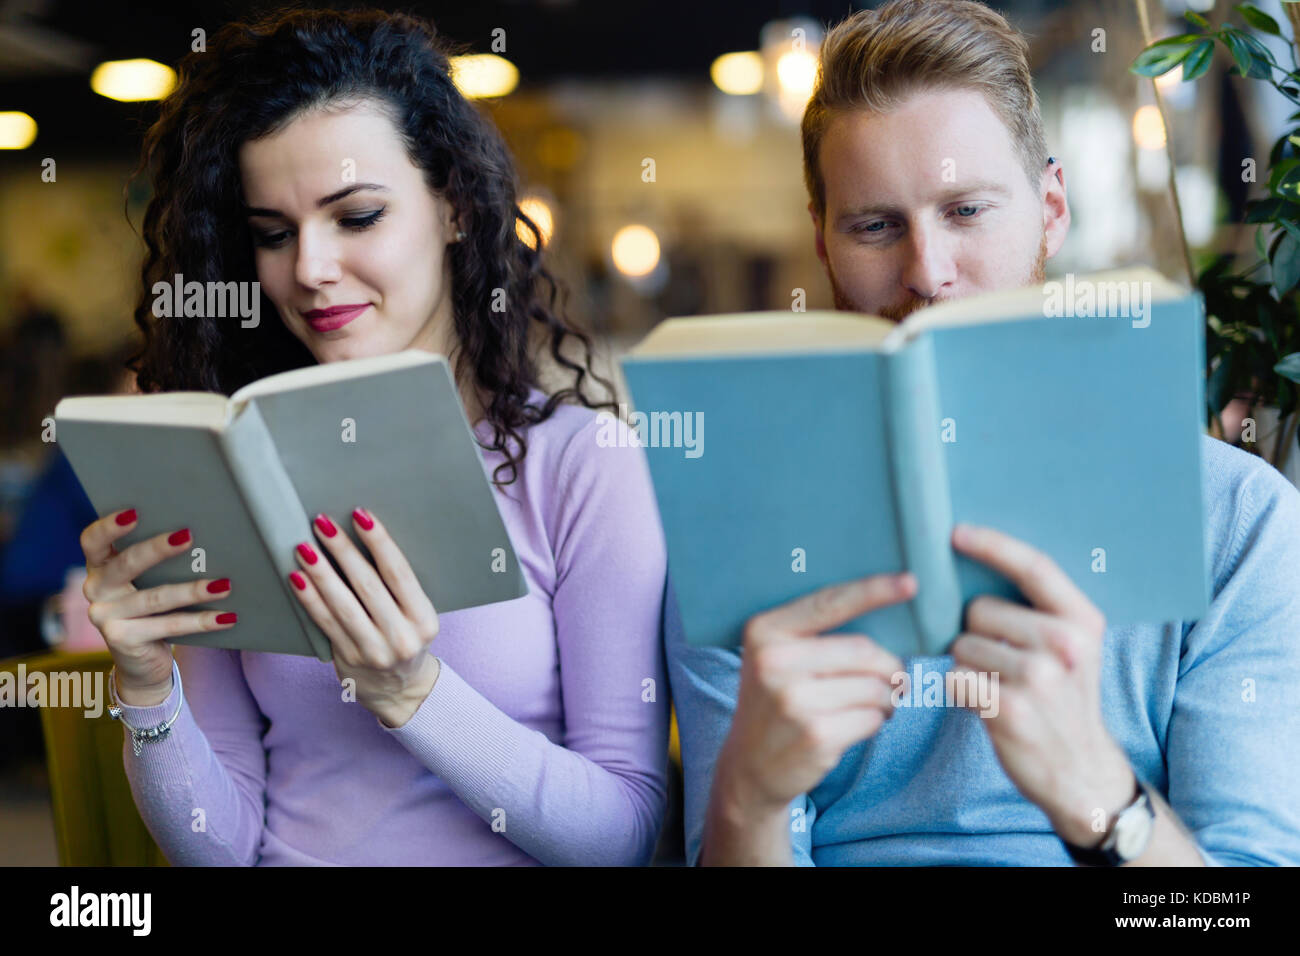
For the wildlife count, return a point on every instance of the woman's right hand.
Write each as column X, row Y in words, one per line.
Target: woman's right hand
column 128, row 619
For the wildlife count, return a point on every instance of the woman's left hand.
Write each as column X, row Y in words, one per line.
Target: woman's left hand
column 380, row 622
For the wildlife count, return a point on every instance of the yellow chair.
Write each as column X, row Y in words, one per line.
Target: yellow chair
column 95, row 819
column 674, row 741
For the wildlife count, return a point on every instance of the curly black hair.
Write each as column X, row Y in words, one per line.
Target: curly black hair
column 252, row 81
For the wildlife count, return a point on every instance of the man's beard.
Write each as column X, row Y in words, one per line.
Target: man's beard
column 1036, row 275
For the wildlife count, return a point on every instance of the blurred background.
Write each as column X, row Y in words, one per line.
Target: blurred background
column 657, row 145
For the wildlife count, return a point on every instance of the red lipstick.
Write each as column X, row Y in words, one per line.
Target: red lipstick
column 335, row 317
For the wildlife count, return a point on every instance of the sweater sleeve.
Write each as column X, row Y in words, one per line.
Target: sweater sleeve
column 1233, row 749
column 201, row 790
column 598, row 798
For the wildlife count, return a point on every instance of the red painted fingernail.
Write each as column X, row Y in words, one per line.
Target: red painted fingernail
column 326, row 526
column 178, row 537
column 363, row 518
column 298, row 580
column 227, row 617
column 217, row 587
column 126, row 517
column 307, row 553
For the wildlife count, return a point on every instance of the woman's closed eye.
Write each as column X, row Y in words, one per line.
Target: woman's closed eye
column 272, row 240
column 363, row 221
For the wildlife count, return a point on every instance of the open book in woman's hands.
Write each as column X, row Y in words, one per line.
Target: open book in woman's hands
column 247, row 474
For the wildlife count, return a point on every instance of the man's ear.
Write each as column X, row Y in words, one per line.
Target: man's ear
column 817, row 234
column 1056, row 208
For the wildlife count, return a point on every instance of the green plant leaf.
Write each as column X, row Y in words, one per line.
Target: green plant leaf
column 1240, row 52
column 1275, row 154
column 1163, row 55
column 1264, row 318
column 1289, row 367
column 1286, row 396
column 1245, row 50
column 1290, row 227
column 1277, row 241
column 1266, row 210
column 1262, row 210
column 1263, row 56
column 1259, row 243
column 1284, row 178
column 1196, row 19
column 1175, row 40
column 1281, row 167
column 1158, row 62
column 1198, row 61
column 1258, row 19
column 1286, row 265
column 1218, row 388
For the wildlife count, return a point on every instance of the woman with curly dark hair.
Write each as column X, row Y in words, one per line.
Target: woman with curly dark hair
column 329, row 157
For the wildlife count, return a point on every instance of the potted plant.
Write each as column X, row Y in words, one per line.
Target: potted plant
column 1253, row 311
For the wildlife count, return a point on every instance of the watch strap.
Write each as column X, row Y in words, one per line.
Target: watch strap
column 1105, row 853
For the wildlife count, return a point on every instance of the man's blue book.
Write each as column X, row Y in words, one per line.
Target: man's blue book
column 791, row 451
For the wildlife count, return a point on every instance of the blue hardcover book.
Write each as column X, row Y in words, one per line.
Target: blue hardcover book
column 791, row 451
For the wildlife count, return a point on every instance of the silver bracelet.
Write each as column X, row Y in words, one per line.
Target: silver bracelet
column 151, row 734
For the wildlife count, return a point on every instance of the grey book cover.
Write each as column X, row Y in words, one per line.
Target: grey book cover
column 248, row 474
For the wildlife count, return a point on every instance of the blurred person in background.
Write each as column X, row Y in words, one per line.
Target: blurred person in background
column 42, row 565
column 33, row 373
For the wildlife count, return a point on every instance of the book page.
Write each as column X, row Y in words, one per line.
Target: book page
column 331, row 372
column 763, row 332
column 192, row 409
column 1025, row 302
column 411, row 459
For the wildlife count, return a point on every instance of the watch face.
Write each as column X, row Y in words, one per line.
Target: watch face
column 1132, row 830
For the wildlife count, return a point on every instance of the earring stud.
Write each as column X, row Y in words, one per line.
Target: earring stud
column 460, row 234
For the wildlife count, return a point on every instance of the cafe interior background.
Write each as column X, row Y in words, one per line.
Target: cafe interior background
column 585, row 92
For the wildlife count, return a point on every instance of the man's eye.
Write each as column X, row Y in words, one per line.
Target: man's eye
column 870, row 227
column 973, row 211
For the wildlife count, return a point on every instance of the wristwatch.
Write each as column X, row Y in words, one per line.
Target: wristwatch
column 1126, row 838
